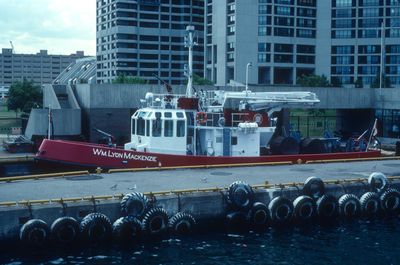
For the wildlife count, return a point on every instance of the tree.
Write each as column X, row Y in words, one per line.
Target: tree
column 128, row 79
column 200, row 81
column 313, row 81
column 23, row 96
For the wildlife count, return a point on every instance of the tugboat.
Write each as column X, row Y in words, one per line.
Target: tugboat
column 203, row 128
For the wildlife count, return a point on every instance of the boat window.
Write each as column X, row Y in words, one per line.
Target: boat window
column 140, row 126
column 133, row 126
column 218, row 139
column 234, row 140
column 147, row 127
column 168, row 114
column 179, row 115
column 157, row 125
column 168, row 128
column 180, row 128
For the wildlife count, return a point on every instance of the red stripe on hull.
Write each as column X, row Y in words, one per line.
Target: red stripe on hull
column 93, row 155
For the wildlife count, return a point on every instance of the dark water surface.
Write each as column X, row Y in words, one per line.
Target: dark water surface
column 358, row 242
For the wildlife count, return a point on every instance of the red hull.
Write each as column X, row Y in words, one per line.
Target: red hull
column 92, row 155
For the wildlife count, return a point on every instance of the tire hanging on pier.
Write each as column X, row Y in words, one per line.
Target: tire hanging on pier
column 349, row 205
column 284, row 146
column 96, row 228
column 134, row 204
column 370, row 204
column 240, row 195
column 236, row 221
column 127, row 229
column 182, row 224
column 378, row 182
column 259, row 215
column 281, row 210
column 65, row 230
column 155, row 222
column 35, row 233
column 327, row 207
column 390, row 201
column 314, row 187
column 304, row 208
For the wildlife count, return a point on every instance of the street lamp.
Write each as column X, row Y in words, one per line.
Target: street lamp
column 247, row 76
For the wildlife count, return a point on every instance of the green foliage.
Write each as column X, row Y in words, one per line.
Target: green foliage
column 359, row 83
column 313, row 81
column 377, row 80
column 23, row 96
column 128, row 79
column 200, row 81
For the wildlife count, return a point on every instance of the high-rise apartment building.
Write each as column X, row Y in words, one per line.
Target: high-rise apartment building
column 146, row 37
column 285, row 39
column 41, row 68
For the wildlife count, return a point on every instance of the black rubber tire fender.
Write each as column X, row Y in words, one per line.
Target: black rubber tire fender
column 35, row 233
column 370, row 204
column 127, row 229
column 314, row 187
column 378, row 182
column 236, row 221
column 280, row 210
column 134, row 204
column 96, row 228
column 349, row 205
column 182, row 223
column 155, row 222
column 240, row 195
column 259, row 214
column 304, row 208
column 327, row 207
column 65, row 230
column 390, row 201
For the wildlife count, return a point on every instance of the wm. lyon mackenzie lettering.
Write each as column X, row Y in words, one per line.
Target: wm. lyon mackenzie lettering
column 123, row 155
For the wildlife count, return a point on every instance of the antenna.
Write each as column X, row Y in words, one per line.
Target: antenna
column 12, row 46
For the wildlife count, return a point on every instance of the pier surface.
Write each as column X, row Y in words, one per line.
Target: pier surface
column 179, row 179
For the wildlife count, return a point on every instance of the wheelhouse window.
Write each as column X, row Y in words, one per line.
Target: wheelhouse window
column 180, row 130
column 168, row 128
column 156, row 130
column 133, row 126
column 141, row 124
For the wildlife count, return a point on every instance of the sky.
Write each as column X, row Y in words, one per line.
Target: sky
column 59, row 26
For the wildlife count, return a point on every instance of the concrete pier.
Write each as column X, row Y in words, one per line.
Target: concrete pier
column 201, row 192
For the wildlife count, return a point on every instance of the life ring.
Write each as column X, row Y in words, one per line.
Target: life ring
column 35, row 233
column 259, row 215
column 65, row 230
column 370, row 204
column 134, row 204
column 349, row 205
column 390, row 201
column 155, row 222
column 201, row 117
column 127, row 229
column 96, row 228
column 280, row 210
column 236, row 221
column 314, row 187
column 258, row 118
column 304, row 208
column 240, row 195
column 327, row 207
column 182, row 223
column 378, row 182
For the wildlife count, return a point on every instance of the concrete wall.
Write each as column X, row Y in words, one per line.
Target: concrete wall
column 66, row 122
column 50, row 97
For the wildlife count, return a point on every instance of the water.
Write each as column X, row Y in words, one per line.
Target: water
column 358, row 242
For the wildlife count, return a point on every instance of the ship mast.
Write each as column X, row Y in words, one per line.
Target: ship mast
column 190, row 43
